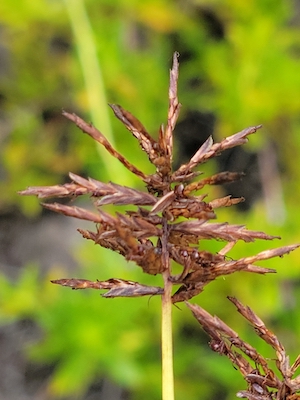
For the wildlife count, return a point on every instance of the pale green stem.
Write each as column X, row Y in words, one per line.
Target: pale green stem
column 93, row 81
column 167, row 340
column 166, row 324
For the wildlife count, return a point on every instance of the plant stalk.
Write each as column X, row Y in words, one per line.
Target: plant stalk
column 167, row 341
column 166, row 326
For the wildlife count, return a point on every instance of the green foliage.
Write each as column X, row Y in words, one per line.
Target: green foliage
column 78, row 332
column 250, row 76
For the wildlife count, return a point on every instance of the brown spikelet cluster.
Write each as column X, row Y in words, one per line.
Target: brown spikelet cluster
column 168, row 223
column 263, row 383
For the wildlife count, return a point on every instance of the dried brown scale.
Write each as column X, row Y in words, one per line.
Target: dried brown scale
column 258, row 270
column 254, row 396
column 181, row 239
column 105, row 239
column 124, row 196
column 242, row 262
column 149, row 259
column 173, row 112
column 266, row 335
column 223, row 231
column 205, row 267
column 97, row 135
column 191, row 211
column 209, row 150
column 67, row 190
column 156, row 186
column 223, row 177
column 133, row 125
column 261, row 380
column 142, row 252
column 202, row 258
column 226, row 201
column 73, row 211
column 112, row 193
column 192, row 260
column 115, row 287
column 86, row 234
column 193, row 282
column 296, row 365
column 146, row 216
column 140, row 228
column 187, row 291
column 92, row 186
column 209, row 273
column 191, row 208
column 163, row 202
column 177, row 204
column 147, row 143
column 185, row 177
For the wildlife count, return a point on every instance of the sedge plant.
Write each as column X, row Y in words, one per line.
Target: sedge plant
column 168, row 221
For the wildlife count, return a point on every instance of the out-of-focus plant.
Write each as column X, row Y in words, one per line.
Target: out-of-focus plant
column 169, row 222
column 239, row 60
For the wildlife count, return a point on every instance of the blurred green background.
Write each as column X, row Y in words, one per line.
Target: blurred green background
column 239, row 66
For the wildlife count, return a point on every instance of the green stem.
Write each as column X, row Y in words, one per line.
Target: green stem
column 166, row 325
column 167, row 340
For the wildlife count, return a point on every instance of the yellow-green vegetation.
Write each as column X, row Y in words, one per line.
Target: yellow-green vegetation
column 246, row 72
